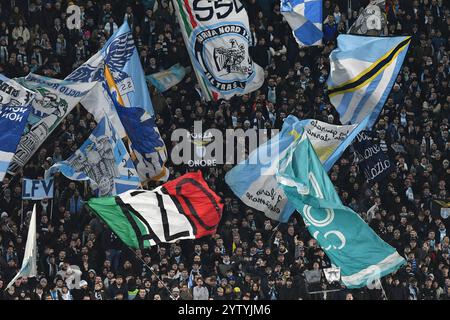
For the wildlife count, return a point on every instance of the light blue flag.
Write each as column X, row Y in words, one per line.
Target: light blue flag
column 305, row 19
column 363, row 72
column 14, row 111
column 12, row 123
column 103, row 160
column 166, row 79
column 253, row 180
column 122, row 76
column 347, row 240
column 36, row 189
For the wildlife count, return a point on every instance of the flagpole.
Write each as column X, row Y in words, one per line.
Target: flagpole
column 382, row 290
column 21, row 217
column 51, row 211
column 274, row 231
column 151, row 269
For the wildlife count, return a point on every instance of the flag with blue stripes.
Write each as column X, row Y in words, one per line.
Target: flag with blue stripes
column 166, row 79
column 363, row 72
column 103, row 160
column 305, row 19
column 254, row 181
column 348, row 241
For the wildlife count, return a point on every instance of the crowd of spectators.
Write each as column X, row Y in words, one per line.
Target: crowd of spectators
column 250, row 257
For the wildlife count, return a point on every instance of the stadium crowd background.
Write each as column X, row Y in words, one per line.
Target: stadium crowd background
column 246, row 259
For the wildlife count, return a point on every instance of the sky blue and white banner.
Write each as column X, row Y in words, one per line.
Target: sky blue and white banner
column 37, row 189
column 12, row 123
column 54, row 100
column 122, row 77
column 29, row 262
column 372, row 161
column 347, row 240
column 363, row 71
column 103, row 160
column 305, row 19
column 166, row 79
column 253, row 180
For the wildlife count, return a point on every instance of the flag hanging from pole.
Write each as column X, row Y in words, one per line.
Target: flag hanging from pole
column 166, row 79
column 54, row 100
column 253, row 180
column 372, row 20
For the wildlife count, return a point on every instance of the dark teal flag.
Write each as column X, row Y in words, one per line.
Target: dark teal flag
column 347, row 240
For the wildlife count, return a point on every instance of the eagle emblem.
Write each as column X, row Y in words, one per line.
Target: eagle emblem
column 116, row 55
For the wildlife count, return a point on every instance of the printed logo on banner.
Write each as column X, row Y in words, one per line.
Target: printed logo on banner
column 226, row 46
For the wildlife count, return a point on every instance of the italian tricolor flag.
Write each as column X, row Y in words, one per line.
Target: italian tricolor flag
column 184, row 208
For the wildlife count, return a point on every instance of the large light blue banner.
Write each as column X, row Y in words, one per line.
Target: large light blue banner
column 122, row 76
column 347, row 240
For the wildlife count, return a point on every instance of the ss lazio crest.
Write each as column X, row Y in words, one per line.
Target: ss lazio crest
column 222, row 52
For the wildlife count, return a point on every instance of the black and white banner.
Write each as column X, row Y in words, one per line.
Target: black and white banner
column 371, row 159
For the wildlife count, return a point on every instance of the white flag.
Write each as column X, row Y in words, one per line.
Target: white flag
column 29, row 266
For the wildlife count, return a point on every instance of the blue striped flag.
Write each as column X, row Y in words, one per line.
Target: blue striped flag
column 305, row 19
column 363, row 72
column 103, row 160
